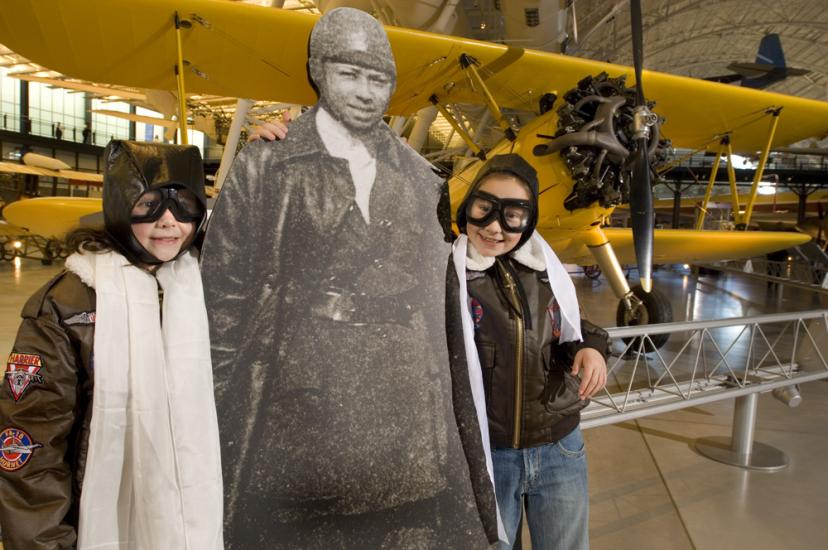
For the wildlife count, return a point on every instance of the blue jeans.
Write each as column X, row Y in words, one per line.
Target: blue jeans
column 553, row 478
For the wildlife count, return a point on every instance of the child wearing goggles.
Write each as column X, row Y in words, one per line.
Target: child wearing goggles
column 536, row 361
column 125, row 453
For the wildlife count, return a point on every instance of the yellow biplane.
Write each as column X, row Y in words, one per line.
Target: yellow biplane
column 247, row 51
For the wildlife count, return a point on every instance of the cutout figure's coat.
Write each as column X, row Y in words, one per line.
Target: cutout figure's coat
column 334, row 391
column 325, row 278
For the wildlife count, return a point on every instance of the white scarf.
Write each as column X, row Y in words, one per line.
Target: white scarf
column 562, row 288
column 153, row 474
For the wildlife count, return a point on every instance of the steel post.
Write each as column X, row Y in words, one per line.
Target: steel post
column 741, row 450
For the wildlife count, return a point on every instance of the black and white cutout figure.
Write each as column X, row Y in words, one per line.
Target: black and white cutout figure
column 325, row 278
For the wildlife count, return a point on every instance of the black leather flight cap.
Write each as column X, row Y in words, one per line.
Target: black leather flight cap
column 133, row 168
column 513, row 164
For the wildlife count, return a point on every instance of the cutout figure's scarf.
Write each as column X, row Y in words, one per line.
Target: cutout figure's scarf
column 153, row 473
column 563, row 289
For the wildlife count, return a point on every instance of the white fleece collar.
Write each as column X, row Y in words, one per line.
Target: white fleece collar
column 83, row 265
column 530, row 255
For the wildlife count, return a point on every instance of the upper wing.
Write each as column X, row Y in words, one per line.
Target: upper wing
column 242, row 50
column 86, row 178
column 675, row 245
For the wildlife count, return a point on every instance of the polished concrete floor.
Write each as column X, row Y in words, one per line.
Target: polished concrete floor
column 649, row 488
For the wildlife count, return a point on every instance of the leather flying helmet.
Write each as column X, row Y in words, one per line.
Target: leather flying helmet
column 349, row 35
column 511, row 164
column 175, row 175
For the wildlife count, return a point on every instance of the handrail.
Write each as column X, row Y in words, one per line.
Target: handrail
column 704, row 362
column 679, row 326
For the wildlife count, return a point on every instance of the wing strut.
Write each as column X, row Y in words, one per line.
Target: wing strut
column 760, row 170
column 731, row 177
column 179, row 76
column 469, row 66
column 458, row 127
column 713, row 173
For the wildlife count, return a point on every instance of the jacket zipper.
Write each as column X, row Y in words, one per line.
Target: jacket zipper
column 511, row 286
column 160, row 302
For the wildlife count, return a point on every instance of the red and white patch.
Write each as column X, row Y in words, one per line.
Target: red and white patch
column 23, row 370
column 16, row 448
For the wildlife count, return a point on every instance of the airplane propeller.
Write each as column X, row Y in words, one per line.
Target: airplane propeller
column 641, row 191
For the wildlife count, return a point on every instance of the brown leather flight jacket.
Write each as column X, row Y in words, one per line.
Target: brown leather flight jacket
column 51, row 403
column 531, row 397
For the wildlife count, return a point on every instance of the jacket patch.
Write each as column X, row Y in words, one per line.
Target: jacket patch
column 16, row 449
column 83, row 318
column 476, row 312
column 554, row 312
column 22, row 370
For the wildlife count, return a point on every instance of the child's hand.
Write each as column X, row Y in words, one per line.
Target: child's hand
column 594, row 376
column 270, row 131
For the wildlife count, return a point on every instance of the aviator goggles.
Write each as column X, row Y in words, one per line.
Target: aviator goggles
column 513, row 214
column 183, row 203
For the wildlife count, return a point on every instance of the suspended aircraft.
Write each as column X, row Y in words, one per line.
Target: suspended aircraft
column 35, row 164
column 592, row 147
column 769, row 67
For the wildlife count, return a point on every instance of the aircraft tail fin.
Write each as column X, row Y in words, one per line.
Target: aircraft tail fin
column 770, row 51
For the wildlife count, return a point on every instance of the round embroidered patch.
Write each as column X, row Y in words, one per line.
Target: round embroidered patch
column 476, row 312
column 16, row 448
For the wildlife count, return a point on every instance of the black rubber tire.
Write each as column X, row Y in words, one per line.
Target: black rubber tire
column 655, row 308
column 50, row 251
column 592, row 271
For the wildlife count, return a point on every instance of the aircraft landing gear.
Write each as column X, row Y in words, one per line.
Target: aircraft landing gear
column 644, row 308
column 636, row 307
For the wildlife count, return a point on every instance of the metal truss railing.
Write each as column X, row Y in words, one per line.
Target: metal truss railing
column 707, row 361
column 808, row 274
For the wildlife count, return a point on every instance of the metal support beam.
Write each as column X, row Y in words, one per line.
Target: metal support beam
column 731, row 177
column 676, row 205
column 712, row 361
column 232, row 141
column 601, row 249
column 419, row 133
column 459, row 128
column 760, row 170
column 179, row 76
column 741, row 450
column 132, row 110
column 25, row 119
column 469, row 65
column 713, row 173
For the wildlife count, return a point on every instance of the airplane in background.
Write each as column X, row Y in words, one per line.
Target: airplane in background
column 774, row 211
column 35, row 164
column 54, row 214
column 588, row 141
column 769, row 68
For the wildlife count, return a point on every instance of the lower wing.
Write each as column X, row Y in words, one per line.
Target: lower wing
column 674, row 245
